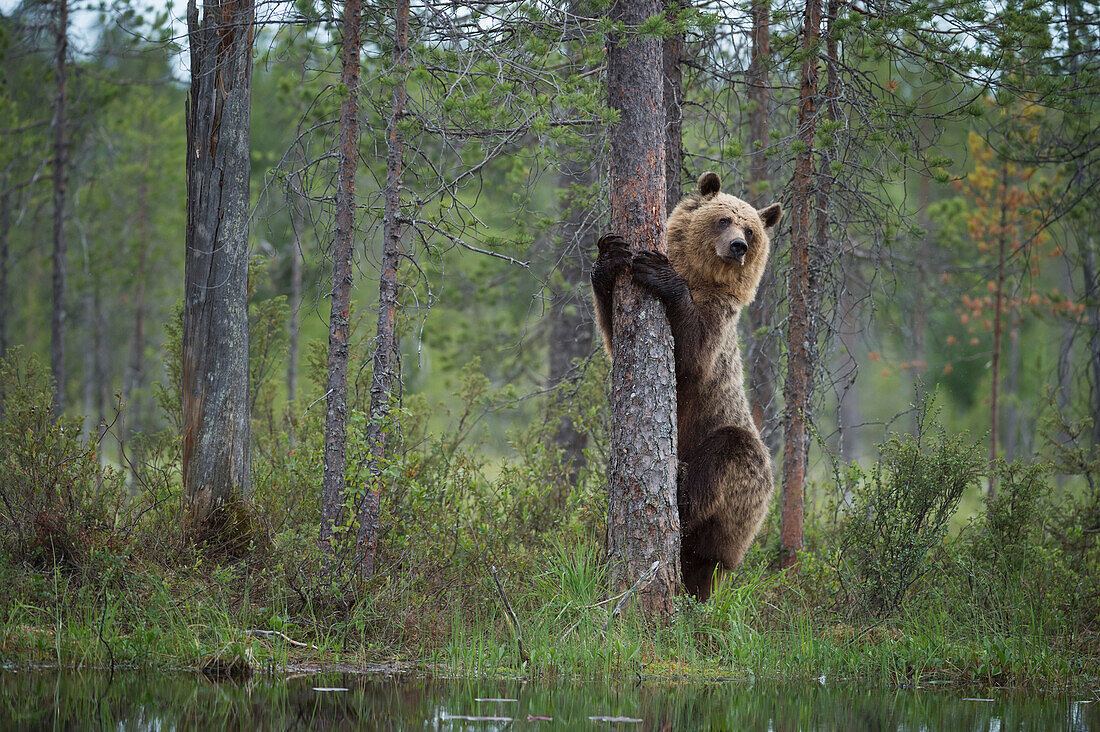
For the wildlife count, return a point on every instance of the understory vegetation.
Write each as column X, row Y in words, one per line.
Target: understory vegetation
column 894, row 586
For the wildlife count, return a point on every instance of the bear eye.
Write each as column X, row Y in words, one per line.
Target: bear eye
column 748, row 236
column 725, row 222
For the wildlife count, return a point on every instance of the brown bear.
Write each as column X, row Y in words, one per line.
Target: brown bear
column 717, row 250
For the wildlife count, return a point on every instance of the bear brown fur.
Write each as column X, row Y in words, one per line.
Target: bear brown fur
column 717, row 250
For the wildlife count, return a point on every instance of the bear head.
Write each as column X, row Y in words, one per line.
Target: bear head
column 718, row 242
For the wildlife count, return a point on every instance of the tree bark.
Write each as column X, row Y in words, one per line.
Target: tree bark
column 386, row 354
column 802, row 293
column 643, row 524
column 217, row 429
column 60, row 189
column 334, row 479
column 674, row 112
column 762, row 355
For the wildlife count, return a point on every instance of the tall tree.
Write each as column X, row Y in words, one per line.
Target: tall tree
column 334, row 479
column 60, row 181
column 5, row 228
column 674, row 109
column 217, row 430
column 384, row 378
column 801, row 297
column 643, row 525
column 570, row 326
column 762, row 353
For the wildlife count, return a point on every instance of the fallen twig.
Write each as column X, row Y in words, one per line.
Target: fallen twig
column 284, row 636
column 642, row 583
column 511, row 616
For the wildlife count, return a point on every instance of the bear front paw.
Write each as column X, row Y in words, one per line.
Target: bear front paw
column 611, row 242
column 653, row 271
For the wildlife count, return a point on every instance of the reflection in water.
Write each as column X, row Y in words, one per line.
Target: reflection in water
column 144, row 700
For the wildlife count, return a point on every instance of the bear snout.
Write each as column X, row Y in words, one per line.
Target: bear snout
column 736, row 251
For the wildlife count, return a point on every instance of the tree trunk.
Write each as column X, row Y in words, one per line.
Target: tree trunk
column 802, row 293
column 5, row 227
column 570, row 326
column 674, row 112
column 643, row 524
column 994, row 386
column 1092, row 310
column 335, row 472
column 60, row 186
column 294, row 325
column 135, row 372
column 386, row 354
column 1012, row 387
column 217, row 431
column 847, row 371
column 762, row 355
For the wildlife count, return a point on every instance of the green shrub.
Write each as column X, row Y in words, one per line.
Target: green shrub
column 901, row 511
column 55, row 498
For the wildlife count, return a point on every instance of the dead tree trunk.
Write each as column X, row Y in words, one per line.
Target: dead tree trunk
column 60, row 189
column 217, row 431
column 334, row 479
column 386, row 354
column 674, row 112
column 643, row 524
column 762, row 355
column 801, row 296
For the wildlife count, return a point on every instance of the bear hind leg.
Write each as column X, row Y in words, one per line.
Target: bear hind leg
column 724, row 492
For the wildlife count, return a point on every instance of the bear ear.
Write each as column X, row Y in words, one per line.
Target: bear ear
column 770, row 215
column 709, row 184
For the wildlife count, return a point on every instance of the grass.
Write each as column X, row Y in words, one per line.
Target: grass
column 760, row 625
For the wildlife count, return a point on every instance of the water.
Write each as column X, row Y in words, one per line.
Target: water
column 146, row 700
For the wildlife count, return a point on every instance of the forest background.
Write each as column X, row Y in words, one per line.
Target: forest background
column 953, row 197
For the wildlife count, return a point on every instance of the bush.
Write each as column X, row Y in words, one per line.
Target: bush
column 55, row 498
column 901, row 511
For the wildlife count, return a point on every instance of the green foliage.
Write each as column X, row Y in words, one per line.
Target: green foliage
column 57, row 503
column 900, row 512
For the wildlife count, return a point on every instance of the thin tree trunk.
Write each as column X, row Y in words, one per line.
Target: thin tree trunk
column 295, row 300
column 1012, row 387
column 135, row 373
column 60, row 186
column 802, row 293
column 847, row 371
column 217, row 430
column 1092, row 310
column 762, row 353
column 386, row 355
column 643, row 524
column 334, row 479
column 570, row 326
column 5, row 227
column 994, row 387
column 674, row 112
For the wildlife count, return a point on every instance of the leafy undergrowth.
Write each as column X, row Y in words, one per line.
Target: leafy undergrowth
column 97, row 571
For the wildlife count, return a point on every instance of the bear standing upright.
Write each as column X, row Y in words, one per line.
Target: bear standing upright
column 717, row 251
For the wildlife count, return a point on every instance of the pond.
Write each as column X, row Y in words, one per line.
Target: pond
column 146, row 700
